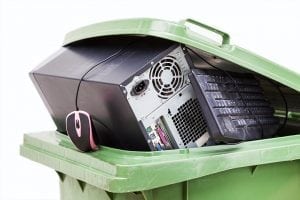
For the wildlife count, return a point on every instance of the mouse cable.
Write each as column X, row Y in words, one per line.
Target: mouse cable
column 236, row 86
column 117, row 53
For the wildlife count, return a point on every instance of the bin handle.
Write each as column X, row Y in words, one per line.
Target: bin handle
column 225, row 36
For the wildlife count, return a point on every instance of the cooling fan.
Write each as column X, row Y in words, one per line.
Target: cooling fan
column 166, row 77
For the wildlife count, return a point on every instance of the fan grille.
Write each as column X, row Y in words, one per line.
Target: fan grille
column 166, row 77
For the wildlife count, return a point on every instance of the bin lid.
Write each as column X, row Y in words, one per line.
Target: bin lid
column 180, row 32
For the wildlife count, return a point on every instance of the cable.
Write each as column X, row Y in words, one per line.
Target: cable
column 286, row 109
column 117, row 53
column 285, row 104
column 81, row 79
column 101, row 62
column 235, row 85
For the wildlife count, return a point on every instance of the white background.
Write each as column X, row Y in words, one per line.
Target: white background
column 31, row 30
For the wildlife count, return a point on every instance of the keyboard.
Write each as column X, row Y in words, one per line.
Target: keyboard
column 234, row 105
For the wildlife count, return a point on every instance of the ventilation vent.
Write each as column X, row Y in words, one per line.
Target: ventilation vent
column 189, row 121
column 166, row 77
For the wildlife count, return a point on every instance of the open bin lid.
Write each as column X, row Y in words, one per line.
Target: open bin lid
column 181, row 33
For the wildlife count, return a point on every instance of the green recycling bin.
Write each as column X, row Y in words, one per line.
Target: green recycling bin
column 261, row 169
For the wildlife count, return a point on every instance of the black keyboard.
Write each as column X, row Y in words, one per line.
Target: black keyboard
column 233, row 105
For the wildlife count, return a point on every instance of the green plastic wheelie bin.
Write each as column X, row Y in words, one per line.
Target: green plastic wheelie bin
column 262, row 169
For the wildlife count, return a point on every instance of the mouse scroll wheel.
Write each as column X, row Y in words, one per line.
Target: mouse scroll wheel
column 77, row 124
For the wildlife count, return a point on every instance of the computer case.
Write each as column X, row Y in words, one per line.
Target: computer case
column 140, row 98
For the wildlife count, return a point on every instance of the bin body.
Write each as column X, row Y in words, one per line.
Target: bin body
column 269, row 182
column 264, row 169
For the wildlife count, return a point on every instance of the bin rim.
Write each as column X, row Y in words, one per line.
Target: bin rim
column 122, row 171
column 181, row 33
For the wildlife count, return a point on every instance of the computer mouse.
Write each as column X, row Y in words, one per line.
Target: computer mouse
column 80, row 130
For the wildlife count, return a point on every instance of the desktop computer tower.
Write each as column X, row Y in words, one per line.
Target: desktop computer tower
column 136, row 89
